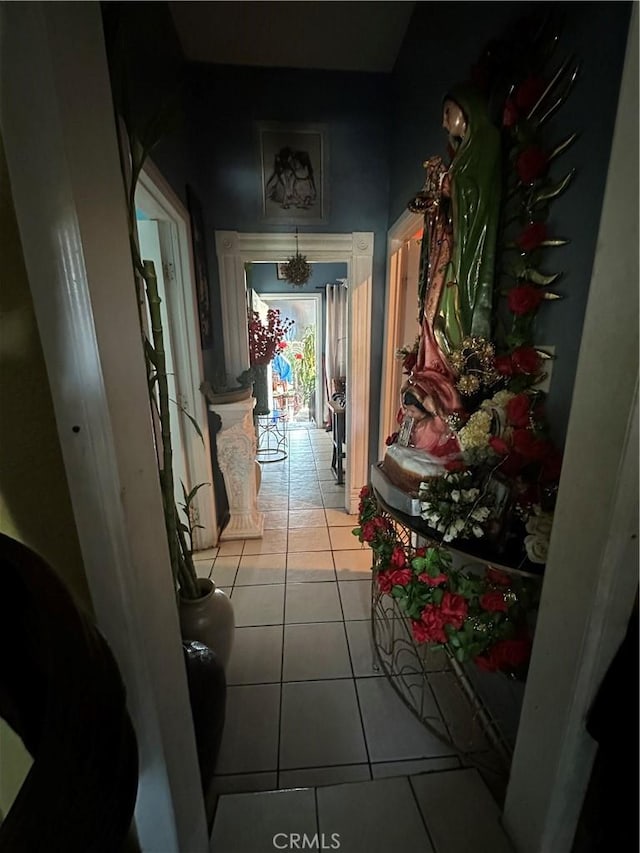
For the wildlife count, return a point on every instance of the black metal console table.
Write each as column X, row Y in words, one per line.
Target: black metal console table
column 430, row 682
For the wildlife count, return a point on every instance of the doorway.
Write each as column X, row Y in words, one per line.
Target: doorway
column 297, row 386
column 165, row 238
column 235, row 249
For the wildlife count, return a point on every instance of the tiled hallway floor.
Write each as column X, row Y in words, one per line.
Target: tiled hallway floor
column 306, row 706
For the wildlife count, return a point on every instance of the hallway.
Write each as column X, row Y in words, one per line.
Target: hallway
column 306, row 704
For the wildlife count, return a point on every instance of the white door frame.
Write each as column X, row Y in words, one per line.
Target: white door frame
column 317, row 299
column 394, row 323
column 70, row 205
column 235, row 249
column 158, row 200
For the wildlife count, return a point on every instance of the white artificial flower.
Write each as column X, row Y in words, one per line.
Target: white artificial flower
column 449, row 535
column 458, row 525
column 480, row 514
column 470, row 494
column 537, row 548
column 455, row 496
column 540, row 523
column 477, row 531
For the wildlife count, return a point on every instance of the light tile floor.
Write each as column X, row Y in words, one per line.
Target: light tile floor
column 305, row 704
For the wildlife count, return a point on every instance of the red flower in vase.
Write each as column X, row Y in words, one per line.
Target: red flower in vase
column 265, row 338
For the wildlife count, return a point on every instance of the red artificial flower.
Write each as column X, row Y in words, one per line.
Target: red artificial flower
column 380, row 523
column 432, row 619
column 364, row 492
column 420, row 631
column 298, row 356
column 526, row 360
column 400, row 577
column 283, row 345
column 512, row 654
column 499, row 445
column 528, row 446
column 409, row 361
column 487, row 662
column 368, row 531
column 524, row 299
column 517, row 410
column 398, row 558
column 384, row 582
column 454, row 609
column 426, row 578
column 528, row 93
column 510, row 113
column 531, row 164
column 421, row 552
column 391, row 439
column 494, row 602
column 495, row 576
column 455, row 465
column 533, row 236
column 503, row 365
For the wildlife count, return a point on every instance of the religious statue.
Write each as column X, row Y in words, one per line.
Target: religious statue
column 461, row 208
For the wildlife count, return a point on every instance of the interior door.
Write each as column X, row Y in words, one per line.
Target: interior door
column 151, row 250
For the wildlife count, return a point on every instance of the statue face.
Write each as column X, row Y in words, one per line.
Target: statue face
column 453, row 119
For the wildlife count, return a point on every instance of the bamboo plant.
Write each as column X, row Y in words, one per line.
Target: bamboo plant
column 134, row 150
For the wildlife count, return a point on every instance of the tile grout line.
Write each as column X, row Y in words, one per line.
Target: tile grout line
column 355, row 686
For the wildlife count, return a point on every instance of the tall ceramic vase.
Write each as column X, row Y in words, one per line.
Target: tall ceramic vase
column 261, row 388
column 209, row 619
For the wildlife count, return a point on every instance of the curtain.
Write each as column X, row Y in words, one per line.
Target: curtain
column 335, row 340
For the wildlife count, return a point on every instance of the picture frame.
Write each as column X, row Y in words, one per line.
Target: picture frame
column 201, row 268
column 293, row 173
column 281, row 274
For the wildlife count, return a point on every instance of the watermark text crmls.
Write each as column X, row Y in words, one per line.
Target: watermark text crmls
column 302, row 841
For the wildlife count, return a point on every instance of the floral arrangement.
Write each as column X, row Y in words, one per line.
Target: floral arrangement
column 479, row 617
column 454, row 506
column 507, row 461
column 265, row 338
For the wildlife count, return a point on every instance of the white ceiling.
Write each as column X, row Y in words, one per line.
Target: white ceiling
column 341, row 36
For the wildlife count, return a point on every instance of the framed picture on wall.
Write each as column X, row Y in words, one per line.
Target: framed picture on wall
column 201, row 268
column 293, row 173
column 281, row 275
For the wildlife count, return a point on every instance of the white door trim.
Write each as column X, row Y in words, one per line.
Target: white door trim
column 159, row 201
column 235, row 249
column 65, row 178
column 402, row 230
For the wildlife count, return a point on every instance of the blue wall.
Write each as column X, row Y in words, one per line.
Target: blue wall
column 229, row 102
column 380, row 129
column 439, row 51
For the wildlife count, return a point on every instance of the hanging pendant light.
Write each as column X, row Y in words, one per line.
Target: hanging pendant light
column 297, row 270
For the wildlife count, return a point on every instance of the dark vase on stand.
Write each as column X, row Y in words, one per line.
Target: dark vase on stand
column 261, row 389
column 207, row 695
